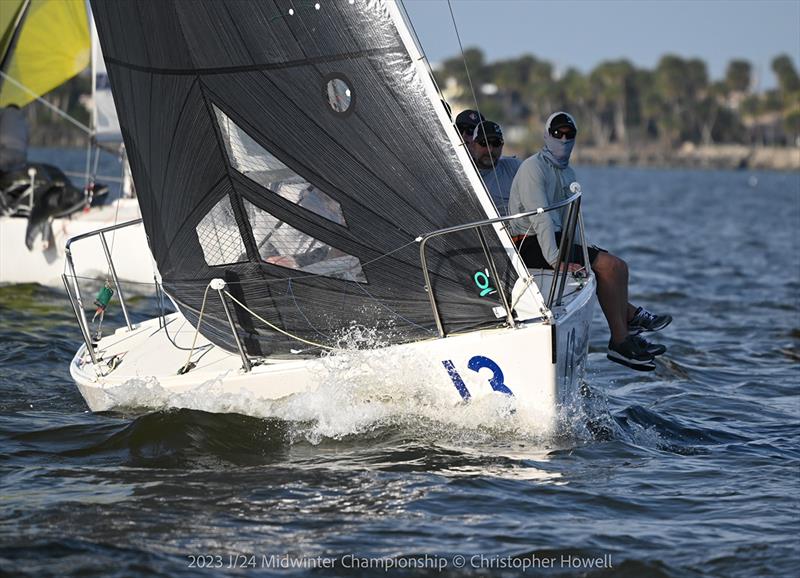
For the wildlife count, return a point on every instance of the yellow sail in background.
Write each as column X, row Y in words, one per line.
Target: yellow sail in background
column 51, row 45
column 10, row 13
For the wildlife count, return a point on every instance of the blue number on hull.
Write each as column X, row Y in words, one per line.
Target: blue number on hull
column 457, row 381
column 479, row 362
column 476, row 364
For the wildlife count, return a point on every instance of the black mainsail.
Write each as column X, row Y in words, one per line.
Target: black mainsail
column 293, row 149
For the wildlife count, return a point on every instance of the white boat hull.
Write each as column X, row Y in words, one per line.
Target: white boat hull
column 44, row 265
column 536, row 367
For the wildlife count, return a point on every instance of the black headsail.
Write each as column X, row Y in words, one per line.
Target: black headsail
column 292, row 149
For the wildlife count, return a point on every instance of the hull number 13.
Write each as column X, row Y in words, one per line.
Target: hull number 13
column 476, row 364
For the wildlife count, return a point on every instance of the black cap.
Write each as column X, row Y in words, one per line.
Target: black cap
column 487, row 129
column 468, row 119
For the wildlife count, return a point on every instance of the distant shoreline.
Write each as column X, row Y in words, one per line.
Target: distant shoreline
column 692, row 156
column 719, row 156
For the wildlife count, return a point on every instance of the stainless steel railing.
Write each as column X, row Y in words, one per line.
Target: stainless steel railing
column 559, row 275
column 76, row 300
column 556, row 289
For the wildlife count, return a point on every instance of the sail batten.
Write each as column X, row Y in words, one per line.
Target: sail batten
column 300, row 167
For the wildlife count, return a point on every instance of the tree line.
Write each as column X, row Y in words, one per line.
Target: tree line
column 615, row 103
column 619, row 103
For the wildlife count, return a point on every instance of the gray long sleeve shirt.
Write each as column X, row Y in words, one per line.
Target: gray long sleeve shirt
column 539, row 184
column 498, row 181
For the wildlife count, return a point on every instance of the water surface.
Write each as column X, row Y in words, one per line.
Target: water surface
column 692, row 470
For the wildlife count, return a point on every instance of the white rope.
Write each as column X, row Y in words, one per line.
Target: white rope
column 196, row 331
column 275, row 327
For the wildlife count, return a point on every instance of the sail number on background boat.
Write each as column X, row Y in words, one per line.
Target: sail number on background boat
column 476, row 364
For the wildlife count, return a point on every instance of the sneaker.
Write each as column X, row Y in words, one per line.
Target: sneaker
column 631, row 353
column 643, row 320
column 653, row 349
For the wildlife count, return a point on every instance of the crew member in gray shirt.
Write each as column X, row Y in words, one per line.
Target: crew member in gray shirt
column 543, row 180
column 497, row 171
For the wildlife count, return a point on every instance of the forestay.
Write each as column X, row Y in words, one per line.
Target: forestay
column 293, row 150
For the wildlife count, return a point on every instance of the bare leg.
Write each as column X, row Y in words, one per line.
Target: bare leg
column 612, row 293
column 631, row 312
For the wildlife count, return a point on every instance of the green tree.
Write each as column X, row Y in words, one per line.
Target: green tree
column 683, row 84
column 784, row 69
column 468, row 71
column 738, row 76
column 670, row 77
column 610, row 83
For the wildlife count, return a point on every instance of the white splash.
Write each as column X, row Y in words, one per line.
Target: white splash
column 364, row 387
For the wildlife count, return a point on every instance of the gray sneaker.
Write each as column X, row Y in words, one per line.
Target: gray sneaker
column 643, row 320
column 631, row 353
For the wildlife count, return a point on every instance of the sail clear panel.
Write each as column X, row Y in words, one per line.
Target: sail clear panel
column 294, row 152
column 255, row 162
column 281, row 244
column 219, row 236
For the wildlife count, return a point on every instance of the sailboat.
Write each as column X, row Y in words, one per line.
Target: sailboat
column 309, row 201
column 44, row 44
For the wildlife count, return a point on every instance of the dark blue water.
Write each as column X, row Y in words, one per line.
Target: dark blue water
column 692, row 470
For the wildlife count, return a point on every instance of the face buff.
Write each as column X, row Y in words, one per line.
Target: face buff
column 557, row 151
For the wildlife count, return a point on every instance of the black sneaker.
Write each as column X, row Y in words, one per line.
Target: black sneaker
column 653, row 349
column 643, row 320
column 631, row 353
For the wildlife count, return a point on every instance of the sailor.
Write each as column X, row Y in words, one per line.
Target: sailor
column 13, row 139
column 466, row 121
column 497, row 171
column 544, row 179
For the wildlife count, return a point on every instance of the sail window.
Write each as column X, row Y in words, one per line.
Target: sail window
column 281, row 244
column 339, row 94
column 259, row 165
column 219, row 235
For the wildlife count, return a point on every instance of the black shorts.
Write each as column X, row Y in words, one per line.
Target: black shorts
column 531, row 252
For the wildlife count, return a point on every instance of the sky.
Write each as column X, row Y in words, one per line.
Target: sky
column 583, row 33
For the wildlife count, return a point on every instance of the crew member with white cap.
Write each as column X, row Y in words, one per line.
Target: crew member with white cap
column 545, row 179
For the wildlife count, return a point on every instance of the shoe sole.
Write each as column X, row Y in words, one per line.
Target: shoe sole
column 637, row 329
column 648, row 365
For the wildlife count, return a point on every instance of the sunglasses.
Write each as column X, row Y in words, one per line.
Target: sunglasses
column 494, row 142
column 560, row 132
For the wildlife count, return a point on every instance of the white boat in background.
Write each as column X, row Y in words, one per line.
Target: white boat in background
column 311, row 207
column 47, row 42
column 46, row 264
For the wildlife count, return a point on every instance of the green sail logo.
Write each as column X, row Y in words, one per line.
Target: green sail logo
column 481, row 279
